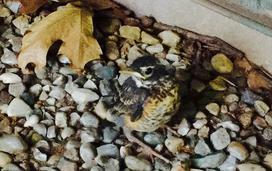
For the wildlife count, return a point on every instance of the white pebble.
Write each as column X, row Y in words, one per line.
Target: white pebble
column 16, row 89
column 157, row 48
column 31, row 121
column 40, row 129
column 169, row 38
column 51, row 132
column 9, row 78
column 61, row 119
column 67, row 132
column 18, row 108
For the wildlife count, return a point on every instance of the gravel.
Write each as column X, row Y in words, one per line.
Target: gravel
column 220, row 139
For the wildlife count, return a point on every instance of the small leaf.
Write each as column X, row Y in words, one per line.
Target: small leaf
column 73, row 26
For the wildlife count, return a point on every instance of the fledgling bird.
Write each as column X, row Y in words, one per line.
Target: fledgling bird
column 148, row 99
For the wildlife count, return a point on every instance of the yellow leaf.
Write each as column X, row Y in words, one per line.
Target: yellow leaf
column 70, row 24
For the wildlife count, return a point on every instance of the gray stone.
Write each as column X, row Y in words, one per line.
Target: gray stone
column 202, row 148
column 9, row 78
column 220, row 139
column 135, row 163
column 229, row 164
column 87, row 153
column 109, row 134
column 16, row 89
column 18, row 108
column 267, row 134
column 57, row 93
column 66, row 165
column 61, row 119
column 109, row 150
column 154, row 138
column 4, row 159
column 89, row 120
column 106, row 72
column 210, row 161
column 18, row 144
column 261, row 107
column 249, row 97
column 184, row 127
column 11, row 167
column 250, row 167
column 9, row 57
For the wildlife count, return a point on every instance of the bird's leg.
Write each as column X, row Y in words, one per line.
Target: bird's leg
column 171, row 130
column 132, row 138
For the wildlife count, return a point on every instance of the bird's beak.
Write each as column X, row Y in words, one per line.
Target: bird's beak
column 132, row 73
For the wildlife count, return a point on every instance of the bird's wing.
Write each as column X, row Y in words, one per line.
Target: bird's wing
column 131, row 99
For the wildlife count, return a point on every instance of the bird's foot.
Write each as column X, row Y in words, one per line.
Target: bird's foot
column 148, row 149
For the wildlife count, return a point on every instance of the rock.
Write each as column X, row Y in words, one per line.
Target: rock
column 106, row 88
column 210, row 161
column 231, row 98
column 204, row 132
column 9, row 57
column 154, row 138
column 268, row 160
column 130, row 32
column 259, row 123
column 16, row 89
column 238, row 150
column 112, row 164
column 184, row 127
column 83, row 96
column 229, row 125
column 38, row 155
column 246, row 119
column 200, row 123
column 252, row 140
column 67, row 132
column 4, row 12
column 249, row 97
column 74, row 118
column 22, row 23
column 169, row 38
column 218, row 84
column 267, row 134
column 87, row 152
column 202, row 148
column 9, row 78
column 90, row 85
column 51, row 132
column 112, row 51
column 222, row 64
column 197, row 85
column 61, row 119
column 109, row 134
column 66, row 165
column 18, row 144
column 135, row 163
column 268, row 118
column 220, row 139
column 148, row 39
column 11, row 167
column 36, row 89
column 261, row 107
column 250, row 167
column 172, row 57
column 4, row 158
column 18, row 108
column 97, row 168
column 213, row 108
column 157, row 48
column 88, row 136
column 161, row 165
column 40, row 129
column 43, row 96
column 229, row 164
column 89, row 120
column 59, row 81
column 106, row 72
column 109, row 150
column 57, row 93
column 174, row 144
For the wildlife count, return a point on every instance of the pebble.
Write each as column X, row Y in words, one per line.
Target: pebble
column 249, row 97
column 83, row 96
column 200, row 123
column 4, row 159
column 61, row 119
column 202, row 148
column 245, row 119
column 66, row 165
column 9, row 78
column 109, row 150
column 148, row 39
column 267, row 134
column 184, row 127
column 210, row 161
column 87, row 152
column 31, row 121
column 22, row 23
column 229, row 164
column 218, row 84
column 109, row 134
column 112, row 51
column 238, row 150
column 67, row 132
column 197, row 85
column 130, row 32
column 250, row 167
column 174, row 144
column 11, row 167
column 51, row 132
column 38, row 155
column 135, row 163
column 43, row 96
column 229, row 125
column 9, row 57
column 97, row 168
column 222, row 64
column 36, row 89
column 18, row 108
column 40, row 129
column 231, row 98
column 88, row 136
column 18, row 144
column 204, row 132
column 4, row 12
column 16, row 89
column 154, row 138
column 57, row 93
column 90, row 85
column 157, row 48
column 213, row 108
column 268, row 118
column 252, row 140
column 169, row 38
column 220, row 139
column 259, row 123
column 74, row 118
column 261, row 107
column 89, row 120
column 106, row 72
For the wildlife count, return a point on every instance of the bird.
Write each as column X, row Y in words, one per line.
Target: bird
column 147, row 99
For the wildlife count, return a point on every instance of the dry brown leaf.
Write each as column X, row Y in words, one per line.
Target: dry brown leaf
column 102, row 4
column 73, row 26
column 30, row 6
column 257, row 81
column 244, row 64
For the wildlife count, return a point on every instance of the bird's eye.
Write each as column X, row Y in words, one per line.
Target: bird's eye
column 148, row 71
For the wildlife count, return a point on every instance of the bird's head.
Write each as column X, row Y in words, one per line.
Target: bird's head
column 149, row 69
